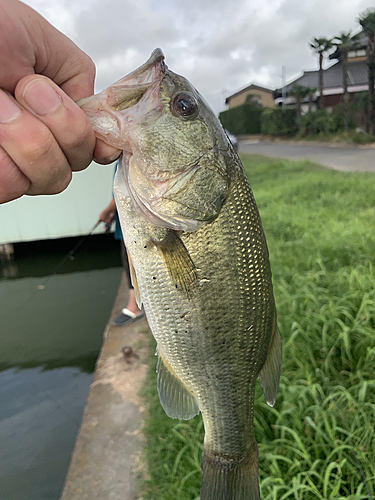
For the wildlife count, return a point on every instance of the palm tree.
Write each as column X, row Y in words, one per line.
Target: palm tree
column 367, row 21
column 321, row 45
column 344, row 43
column 311, row 91
column 299, row 92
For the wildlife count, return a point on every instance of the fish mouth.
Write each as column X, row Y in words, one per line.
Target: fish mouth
column 129, row 90
column 149, row 71
column 105, row 109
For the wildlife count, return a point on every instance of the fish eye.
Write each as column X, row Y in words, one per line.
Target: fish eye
column 184, row 105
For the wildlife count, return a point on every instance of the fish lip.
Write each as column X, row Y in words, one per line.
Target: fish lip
column 121, row 94
column 117, row 103
column 156, row 59
column 142, row 79
column 149, row 73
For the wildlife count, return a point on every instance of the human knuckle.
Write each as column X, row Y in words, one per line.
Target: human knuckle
column 40, row 146
column 80, row 138
column 90, row 67
column 60, row 183
column 12, row 192
column 13, row 183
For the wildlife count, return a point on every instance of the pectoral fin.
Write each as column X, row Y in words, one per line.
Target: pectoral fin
column 180, row 265
column 269, row 375
column 176, row 400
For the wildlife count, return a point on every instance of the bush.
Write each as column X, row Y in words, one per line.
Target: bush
column 323, row 122
column 244, row 119
column 362, row 138
column 279, row 122
column 316, row 122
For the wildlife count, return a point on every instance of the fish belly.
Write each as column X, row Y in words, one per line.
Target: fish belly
column 213, row 338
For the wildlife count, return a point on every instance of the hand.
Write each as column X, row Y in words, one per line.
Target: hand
column 108, row 214
column 44, row 135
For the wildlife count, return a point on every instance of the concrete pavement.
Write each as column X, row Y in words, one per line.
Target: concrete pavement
column 337, row 156
column 107, row 459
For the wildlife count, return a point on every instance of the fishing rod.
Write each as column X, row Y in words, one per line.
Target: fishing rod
column 68, row 256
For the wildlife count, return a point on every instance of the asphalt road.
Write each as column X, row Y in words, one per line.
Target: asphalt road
column 338, row 157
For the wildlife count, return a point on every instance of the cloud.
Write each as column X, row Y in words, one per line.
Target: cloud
column 219, row 46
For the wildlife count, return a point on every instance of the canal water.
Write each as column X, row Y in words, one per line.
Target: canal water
column 51, row 330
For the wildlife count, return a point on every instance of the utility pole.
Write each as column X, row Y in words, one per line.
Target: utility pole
column 283, row 77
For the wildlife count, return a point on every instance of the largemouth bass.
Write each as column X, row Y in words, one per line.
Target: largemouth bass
column 199, row 264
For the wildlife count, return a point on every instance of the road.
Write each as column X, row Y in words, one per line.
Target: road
column 338, row 157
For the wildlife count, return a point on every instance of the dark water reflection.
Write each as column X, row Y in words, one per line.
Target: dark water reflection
column 39, row 419
column 50, row 334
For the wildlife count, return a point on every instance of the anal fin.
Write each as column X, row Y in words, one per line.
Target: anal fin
column 269, row 375
column 175, row 398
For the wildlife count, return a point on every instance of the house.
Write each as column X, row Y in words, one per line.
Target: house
column 262, row 95
column 332, row 79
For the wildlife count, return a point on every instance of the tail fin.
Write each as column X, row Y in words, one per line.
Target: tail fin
column 224, row 479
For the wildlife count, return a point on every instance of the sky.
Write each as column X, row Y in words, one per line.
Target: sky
column 220, row 46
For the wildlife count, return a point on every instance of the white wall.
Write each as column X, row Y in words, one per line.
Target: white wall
column 70, row 213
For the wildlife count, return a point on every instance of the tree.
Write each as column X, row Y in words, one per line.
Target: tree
column 299, row 92
column 367, row 21
column 311, row 91
column 254, row 101
column 344, row 43
column 321, row 45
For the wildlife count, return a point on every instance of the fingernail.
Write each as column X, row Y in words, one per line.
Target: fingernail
column 41, row 97
column 9, row 110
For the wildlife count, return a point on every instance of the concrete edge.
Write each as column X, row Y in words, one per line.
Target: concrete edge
column 107, row 463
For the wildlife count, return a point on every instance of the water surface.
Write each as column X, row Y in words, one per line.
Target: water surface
column 51, row 332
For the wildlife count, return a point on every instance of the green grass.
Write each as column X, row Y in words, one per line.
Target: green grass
column 320, row 228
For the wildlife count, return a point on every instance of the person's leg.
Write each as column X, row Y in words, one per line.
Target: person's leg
column 131, row 311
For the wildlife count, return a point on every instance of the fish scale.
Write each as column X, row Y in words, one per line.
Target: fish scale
column 245, row 295
column 199, row 264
